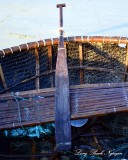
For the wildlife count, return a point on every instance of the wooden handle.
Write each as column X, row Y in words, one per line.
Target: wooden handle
column 62, row 97
column 60, row 5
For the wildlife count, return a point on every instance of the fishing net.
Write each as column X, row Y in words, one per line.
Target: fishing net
column 102, row 63
column 44, row 66
column 20, row 68
column 73, row 60
column 109, row 56
column 34, row 132
column 118, row 123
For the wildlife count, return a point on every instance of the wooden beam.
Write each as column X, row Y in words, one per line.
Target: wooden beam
column 37, row 81
column 50, row 63
column 126, row 64
column 84, row 39
column 37, row 107
column 3, row 78
column 49, row 92
column 81, row 64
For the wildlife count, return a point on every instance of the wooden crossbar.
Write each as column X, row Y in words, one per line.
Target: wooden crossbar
column 37, row 106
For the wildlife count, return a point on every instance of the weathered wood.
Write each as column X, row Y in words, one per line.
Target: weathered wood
column 85, row 100
column 83, row 39
column 50, row 62
column 3, row 78
column 81, row 64
column 37, row 81
column 50, row 92
column 62, row 100
column 126, row 65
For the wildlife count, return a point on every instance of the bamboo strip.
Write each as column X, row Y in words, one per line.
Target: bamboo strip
column 81, row 64
column 37, row 82
column 83, row 39
column 50, row 63
column 126, row 65
column 3, row 78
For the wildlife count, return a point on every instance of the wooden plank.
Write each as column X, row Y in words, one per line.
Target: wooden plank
column 37, row 80
column 85, row 102
column 51, row 91
column 50, row 63
column 81, row 64
column 3, row 78
column 126, row 64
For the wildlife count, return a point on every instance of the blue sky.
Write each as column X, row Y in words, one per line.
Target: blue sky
column 23, row 21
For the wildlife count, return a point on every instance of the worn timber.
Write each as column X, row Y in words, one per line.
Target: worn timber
column 54, row 41
column 37, row 106
column 62, row 97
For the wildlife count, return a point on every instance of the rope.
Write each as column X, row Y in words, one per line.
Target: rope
column 103, row 39
column 19, row 112
column 88, row 39
column 125, row 95
column 38, row 45
column 119, row 40
column 27, row 46
column 82, row 39
column 44, row 42
column 19, row 48
column 3, row 53
column 74, row 38
column 52, row 41
column 11, row 50
column 76, row 103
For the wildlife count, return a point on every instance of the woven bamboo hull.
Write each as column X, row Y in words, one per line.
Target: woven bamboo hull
column 27, row 80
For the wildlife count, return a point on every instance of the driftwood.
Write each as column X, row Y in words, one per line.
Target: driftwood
column 37, row 106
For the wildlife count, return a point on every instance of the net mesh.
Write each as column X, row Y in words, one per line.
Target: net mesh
column 44, row 66
column 73, row 60
column 20, row 66
column 118, row 123
column 54, row 57
column 109, row 56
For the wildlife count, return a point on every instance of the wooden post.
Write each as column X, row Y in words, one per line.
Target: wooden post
column 62, row 100
column 2, row 77
column 37, row 82
column 126, row 64
column 81, row 64
column 50, row 62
